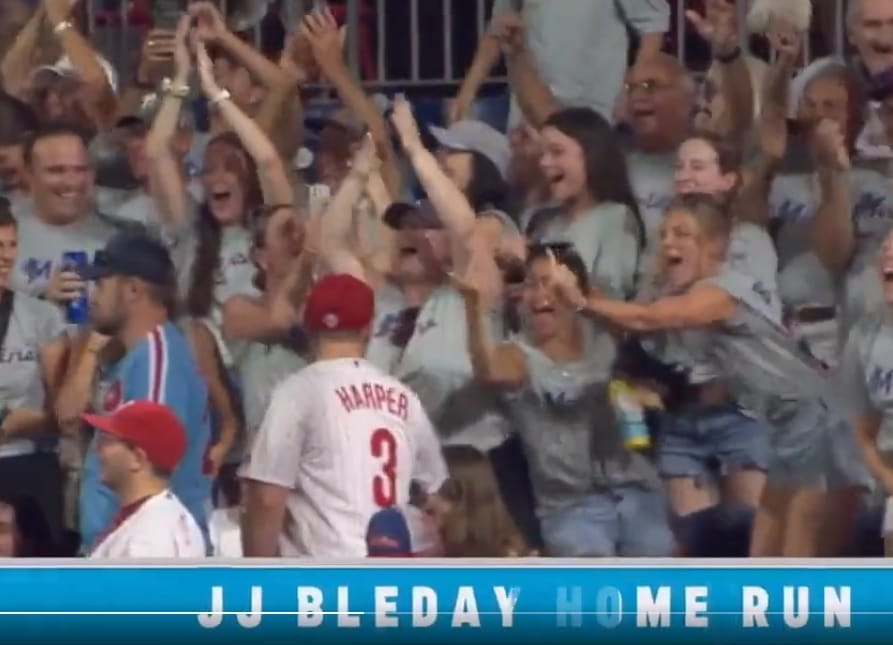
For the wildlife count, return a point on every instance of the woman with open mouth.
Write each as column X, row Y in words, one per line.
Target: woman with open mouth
column 594, row 498
column 713, row 454
column 867, row 372
column 418, row 332
column 710, row 312
column 599, row 214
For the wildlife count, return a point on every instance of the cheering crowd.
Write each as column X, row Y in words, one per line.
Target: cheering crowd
column 650, row 318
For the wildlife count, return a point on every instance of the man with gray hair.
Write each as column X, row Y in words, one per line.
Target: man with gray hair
column 870, row 32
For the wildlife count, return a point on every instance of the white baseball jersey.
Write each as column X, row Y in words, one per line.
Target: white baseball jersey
column 347, row 440
column 160, row 527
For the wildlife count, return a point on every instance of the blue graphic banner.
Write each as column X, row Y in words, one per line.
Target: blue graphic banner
column 523, row 602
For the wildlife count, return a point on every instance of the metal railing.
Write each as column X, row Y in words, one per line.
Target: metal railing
column 416, row 43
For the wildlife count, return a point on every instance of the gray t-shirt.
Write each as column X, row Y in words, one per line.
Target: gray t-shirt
column 569, row 431
column 581, row 50
column 761, row 362
column 32, row 325
column 41, row 246
column 651, row 178
column 872, row 199
column 802, row 280
column 606, row 238
column 867, row 372
column 436, row 365
column 261, row 368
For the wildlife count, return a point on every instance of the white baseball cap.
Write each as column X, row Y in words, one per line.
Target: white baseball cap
column 476, row 136
column 64, row 67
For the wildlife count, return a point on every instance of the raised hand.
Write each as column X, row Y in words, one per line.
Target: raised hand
column 326, row 40
column 784, row 38
column 405, row 124
column 206, row 71
column 718, row 26
column 565, row 284
column 830, row 147
column 508, row 29
column 365, row 160
column 182, row 57
column 209, row 23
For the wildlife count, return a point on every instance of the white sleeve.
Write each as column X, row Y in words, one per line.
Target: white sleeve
column 276, row 452
column 429, row 468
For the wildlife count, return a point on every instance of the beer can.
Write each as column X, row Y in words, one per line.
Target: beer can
column 76, row 311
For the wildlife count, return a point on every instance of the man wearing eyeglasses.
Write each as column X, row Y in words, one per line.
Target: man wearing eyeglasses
column 133, row 304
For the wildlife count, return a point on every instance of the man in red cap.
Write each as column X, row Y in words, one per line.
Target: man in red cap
column 139, row 446
column 341, row 440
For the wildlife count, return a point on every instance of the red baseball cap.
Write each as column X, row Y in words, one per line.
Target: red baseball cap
column 151, row 427
column 339, row 302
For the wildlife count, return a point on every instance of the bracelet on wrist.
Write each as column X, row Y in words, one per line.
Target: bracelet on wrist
column 175, row 90
column 65, row 25
column 220, row 97
column 730, row 57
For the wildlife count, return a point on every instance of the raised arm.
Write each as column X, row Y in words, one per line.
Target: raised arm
column 702, row 306
column 497, row 364
column 326, row 41
column 274, row 182
column 101, row 95
column 18, row 63
column 279, row 86
column 336, row 247
column 451, row 205
column 488, row 53
column 719, row 29
column 167, row 185
column 76, row 392
column 536, row 100
column 833, row 236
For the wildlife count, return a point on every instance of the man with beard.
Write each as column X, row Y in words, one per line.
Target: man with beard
column 133, row 305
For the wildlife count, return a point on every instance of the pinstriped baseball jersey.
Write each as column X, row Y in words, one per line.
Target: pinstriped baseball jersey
column 346, row 440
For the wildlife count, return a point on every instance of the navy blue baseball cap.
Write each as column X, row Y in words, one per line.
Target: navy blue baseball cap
column 135, row 254
column 388, row 536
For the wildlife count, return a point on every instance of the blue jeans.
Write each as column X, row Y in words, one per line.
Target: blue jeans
column 705, row 442
column 626, row 521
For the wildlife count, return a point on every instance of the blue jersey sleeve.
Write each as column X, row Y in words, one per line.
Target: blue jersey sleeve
column 144, row 378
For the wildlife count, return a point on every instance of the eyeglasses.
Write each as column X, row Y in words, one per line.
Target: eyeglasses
column 648, row 86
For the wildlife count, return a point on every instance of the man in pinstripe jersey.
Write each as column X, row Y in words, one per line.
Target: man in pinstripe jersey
column 135, row 286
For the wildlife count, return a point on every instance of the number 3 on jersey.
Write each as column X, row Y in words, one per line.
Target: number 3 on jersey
column 384, row 485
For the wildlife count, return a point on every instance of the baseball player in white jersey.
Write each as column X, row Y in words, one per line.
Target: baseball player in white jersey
column 139, row 446
column 340, row 441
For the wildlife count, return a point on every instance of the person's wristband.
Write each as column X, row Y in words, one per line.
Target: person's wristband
column 169, row 88
column 731, row 57
column 220, row 97
column 65, row 25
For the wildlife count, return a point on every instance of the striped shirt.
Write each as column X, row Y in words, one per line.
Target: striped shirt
column 161, row 369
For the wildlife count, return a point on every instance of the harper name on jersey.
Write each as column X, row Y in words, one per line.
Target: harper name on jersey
column 368, row 396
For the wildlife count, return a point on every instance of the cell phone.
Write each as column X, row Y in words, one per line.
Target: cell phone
column 166, row 13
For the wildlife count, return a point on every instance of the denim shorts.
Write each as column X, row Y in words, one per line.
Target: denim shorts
column 706, row 442
column 846, row 465
column 627, row 521
column 800, row 447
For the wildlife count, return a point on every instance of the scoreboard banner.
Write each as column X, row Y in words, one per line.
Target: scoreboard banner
column 418, row 601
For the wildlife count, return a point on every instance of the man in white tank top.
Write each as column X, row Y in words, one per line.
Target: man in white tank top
column 341, row 440
column 139, row 446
